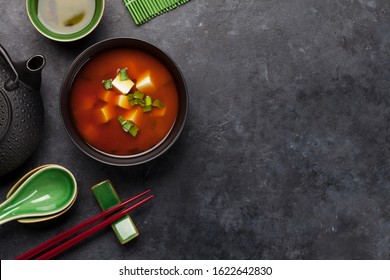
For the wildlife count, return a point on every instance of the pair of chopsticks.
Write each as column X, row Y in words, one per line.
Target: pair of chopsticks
column 84, row 234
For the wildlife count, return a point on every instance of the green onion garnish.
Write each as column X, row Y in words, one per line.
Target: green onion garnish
column 158, row 103
column 134, row 130
column 134, row 102
column 107, row 84
column 121, row 120
column 138, row 94
column 128, row 126
column 147, row 109
column 123, row 74
column 148, row 101
column 147, row 104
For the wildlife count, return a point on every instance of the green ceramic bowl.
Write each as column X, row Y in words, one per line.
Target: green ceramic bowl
column 32, row 11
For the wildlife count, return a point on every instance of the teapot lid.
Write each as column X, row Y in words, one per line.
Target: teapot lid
column 5, row 114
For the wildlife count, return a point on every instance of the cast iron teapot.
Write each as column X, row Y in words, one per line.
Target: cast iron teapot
column 21, row 109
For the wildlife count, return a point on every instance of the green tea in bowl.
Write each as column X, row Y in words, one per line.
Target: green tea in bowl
column 65, row 16
column 65, row 20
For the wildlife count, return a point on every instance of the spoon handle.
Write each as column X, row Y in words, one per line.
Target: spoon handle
column 7, row 213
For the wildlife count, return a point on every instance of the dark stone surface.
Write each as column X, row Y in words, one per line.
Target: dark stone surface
column 285, row 153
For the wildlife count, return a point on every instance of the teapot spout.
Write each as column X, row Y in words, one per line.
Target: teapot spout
column 30, row 71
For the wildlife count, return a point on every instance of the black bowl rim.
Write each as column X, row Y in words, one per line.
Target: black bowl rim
column 76, row 65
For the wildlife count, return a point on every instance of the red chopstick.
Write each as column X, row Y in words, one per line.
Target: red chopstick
column 62, row 247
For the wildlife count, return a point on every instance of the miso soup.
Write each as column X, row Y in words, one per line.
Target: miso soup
column 105, row 116
column 66, row 16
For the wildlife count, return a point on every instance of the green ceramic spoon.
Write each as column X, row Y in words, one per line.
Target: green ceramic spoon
column 36, row 219
column 48, row 191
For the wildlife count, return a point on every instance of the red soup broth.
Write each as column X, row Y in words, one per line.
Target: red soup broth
column 95, row 110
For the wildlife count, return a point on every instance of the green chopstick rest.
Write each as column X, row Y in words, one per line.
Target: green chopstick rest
column 107, row 197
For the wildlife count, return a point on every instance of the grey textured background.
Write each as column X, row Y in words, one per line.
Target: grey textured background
column 285, row 152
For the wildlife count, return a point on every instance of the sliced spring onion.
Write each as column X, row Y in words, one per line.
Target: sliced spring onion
column 147, row 104
column 138, row 94
column 121, row 120
column 147, row 109
column 107, row 84
column 123, row 74
column 158, row 103
column 134, row 102
column 148, row 101
column 127, row 126
column 134, row 130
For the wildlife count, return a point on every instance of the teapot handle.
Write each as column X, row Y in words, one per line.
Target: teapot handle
column 9, row 84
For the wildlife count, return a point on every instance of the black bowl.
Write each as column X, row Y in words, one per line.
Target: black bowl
column 134, row 44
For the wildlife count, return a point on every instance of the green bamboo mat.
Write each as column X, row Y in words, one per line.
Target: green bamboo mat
column 144, row 10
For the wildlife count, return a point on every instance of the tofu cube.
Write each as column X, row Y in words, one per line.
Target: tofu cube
column 123, row 102
column 145, row 84
column 107, row 96
column 123, row 86
column 106, row 114
column 133, row 115
column 159, row 112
